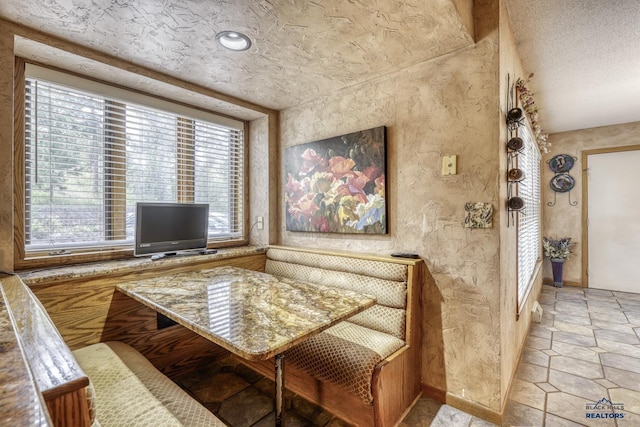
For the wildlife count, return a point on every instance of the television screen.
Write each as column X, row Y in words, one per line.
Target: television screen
column 166, row 228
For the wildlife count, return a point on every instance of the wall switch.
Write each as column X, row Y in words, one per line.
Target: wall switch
column 449, row 165
column 260, row 222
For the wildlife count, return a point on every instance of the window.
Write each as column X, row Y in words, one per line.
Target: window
column 92, row 151
column 529, row 220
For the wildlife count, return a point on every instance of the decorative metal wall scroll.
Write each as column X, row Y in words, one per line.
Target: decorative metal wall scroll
column 561, row 182
column 515, row 146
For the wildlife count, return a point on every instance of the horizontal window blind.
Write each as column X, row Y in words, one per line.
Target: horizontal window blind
column 90, row 158
column 529, row 220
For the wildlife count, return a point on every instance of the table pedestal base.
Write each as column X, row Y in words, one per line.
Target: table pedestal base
column 279, row 384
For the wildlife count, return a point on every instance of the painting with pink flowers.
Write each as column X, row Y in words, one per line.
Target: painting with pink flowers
column 337, row 185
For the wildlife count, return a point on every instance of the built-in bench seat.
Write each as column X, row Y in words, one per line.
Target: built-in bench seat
column 365, row 369
column 104, row 384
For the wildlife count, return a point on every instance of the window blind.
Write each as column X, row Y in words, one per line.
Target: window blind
column 89, row 158
column 529, row 220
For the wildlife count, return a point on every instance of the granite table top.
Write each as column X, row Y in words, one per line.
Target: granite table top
column 252, row 314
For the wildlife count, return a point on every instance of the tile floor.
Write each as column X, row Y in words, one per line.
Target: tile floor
column 585, row 348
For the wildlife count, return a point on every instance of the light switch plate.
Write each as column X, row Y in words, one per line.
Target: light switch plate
column 449, row 165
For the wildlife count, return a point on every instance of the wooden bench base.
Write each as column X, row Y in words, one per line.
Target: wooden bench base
column 392, row 399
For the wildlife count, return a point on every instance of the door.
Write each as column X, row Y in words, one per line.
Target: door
column 613, row 212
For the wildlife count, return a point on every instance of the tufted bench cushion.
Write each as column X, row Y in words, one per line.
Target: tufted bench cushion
column 347, row 353
column 130, row 391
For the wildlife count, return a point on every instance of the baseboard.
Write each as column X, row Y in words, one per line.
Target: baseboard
column 467, row 406
column 549, row 281
column 434, row 393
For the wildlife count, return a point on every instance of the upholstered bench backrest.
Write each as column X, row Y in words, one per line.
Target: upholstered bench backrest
column 386, row 281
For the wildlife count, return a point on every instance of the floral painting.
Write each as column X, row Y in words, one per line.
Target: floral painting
column 337, row 185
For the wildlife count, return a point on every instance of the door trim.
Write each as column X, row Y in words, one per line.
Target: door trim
column 585, row 202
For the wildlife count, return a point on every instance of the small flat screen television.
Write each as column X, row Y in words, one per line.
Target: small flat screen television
column 167, row 228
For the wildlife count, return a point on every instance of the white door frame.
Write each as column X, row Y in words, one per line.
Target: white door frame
column 585, row 203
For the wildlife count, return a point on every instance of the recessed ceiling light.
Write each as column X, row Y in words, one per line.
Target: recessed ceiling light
column 233, row 40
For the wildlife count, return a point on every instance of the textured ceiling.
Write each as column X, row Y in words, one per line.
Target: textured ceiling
column 302, row 49
column 586, row 58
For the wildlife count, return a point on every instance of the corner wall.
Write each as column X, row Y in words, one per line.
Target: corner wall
column 514, row 328
column 444, row 106
column 6, row 150
column 562, row 219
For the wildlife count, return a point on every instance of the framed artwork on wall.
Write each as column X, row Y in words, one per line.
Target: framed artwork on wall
column 338, row 185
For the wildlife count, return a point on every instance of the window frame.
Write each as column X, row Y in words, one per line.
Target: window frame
column 524, row 285
column 22, row 259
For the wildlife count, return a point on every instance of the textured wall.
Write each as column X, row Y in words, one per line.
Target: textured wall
column 513, row 328
column 6, row 150
column 260, row 171
column 445, row 106
column 566, row 220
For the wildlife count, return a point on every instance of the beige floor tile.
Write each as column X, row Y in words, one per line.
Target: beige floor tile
column 630, row 399
column 575, row 351
column 621, row 378
column 531, row 373
column 422, row 414
column 629, row 419
column 517, row 414
column 547, row 388
column 542, row 331
column 528, row 394
column 582, row 319
column 572, row 408
column 619, row 348
column 449, row 416
column 612, row 317
column 555, row 421
column 591, row 292
column 577, row 386
column 577, row 339
column 626, row 295
column 220, row 387
column 577, row 367
column 630, row 305
column 633, row 318
column 626, row 363
column 573, row 328
column 537, row 342
column 616, row 336
column 604, row 382
column 617, row 327
column 535, row 357
column 604, row 306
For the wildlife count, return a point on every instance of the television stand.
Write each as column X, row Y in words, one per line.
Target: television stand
column 164, row 255
column 157, row 257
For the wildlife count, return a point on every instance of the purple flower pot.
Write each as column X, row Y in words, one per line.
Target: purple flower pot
column 556, row 268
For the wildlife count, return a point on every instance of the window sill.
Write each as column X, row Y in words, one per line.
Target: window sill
column 131, row 265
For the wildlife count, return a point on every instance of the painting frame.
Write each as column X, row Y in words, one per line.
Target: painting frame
column 338, row 184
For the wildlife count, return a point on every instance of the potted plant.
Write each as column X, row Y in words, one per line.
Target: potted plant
column 557, row 250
